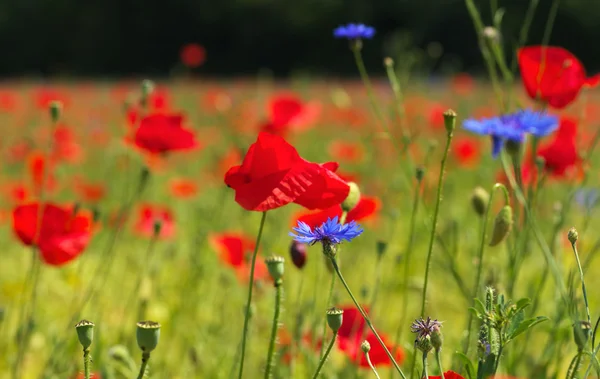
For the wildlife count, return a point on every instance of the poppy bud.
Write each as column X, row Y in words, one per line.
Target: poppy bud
column 156, row 227
column 334, row 318
column 275, row 265
column 148, row 333
column 85, row 333
column 491, row 34
column 573, row 236
column 450, row 121
column 298, row 254
column 365, row 346
column 352, row 199
column 420, row 173
column 381, row 248
column 480, row 198
column 581, row 332
column 502, row 225
column 147, row 89
column 388, row 62
column 55, row 110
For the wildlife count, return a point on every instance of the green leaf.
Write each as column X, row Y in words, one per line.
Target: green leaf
column 475, row 312
column 469, row 367
column 480, row 307
column 498, row 17
column 523, row 303
column 514, row 323
column 526, row 324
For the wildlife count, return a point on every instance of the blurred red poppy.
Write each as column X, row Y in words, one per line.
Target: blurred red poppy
column 192, row 55
column 235, row 250
column 273, row 174
column 65, row 148
column 462, row 83
column 41, row 173
column 366, row 208
column 561, row 154
column 466, row 151
column 17, row 193
column 449, row 375
column 8, row 101
column 151, row 217
column 354, row 331
column 161, row 133
column 287, row 111
column 89, row 192
column 436, row 116
column 346, row 151
column 183, row 188
column 93, row 375
column 60, row 236
column 552, row 74
column 43, row 97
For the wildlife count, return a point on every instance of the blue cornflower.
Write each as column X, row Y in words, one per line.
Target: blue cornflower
column 587, row 198
column 354, row 31
column 330, row 232
column 513, row 127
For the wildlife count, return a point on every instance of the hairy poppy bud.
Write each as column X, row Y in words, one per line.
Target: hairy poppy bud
column 352, row 199
column 573, row 236
column 450, row 121
column 480, row 198
column 148, row 333
column 298, row 254
column 502, row 225
column 85, row 333
column 56, row 108
column 491, row 34
column 275, row 265
column 334, row 318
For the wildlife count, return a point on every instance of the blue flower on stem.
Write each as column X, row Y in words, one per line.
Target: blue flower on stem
column 331, row 232
column 513, row 127
column 587, row 198
column 354, row 31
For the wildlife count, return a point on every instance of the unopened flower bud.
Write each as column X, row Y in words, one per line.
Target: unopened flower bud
column 329, row 249
column 436, row 338
column 450, row 121
column 56, row 108
column 365, row 346
column 352, row 199
column 298, row 254
column 275, row 265
column 480, row 198
column 502, row 225
column 419, row 173
column 581, row 333
column 388, row 62
column 424, row 344
column 156, row 227
column 573, row 236
column 491, row 34
column 85, row 333
column 335, row 317
column 381, row 248
column 148, row 334
column 147, row 88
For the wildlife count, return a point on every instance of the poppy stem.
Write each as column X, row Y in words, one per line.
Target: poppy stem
column 145, row 359
column 86, row 363
column 365, row 316
column 585, row 297
column 371, row 365
column 425, row 374
column 324, row 358
column 271, row 351
column 438, row 357
column 250, row 288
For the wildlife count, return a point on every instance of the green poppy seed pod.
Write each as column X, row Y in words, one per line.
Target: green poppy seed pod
column 419, row 173
column 335, row 317
column 436, row 338
column 424, row 344
column 85, row 333
column 56, row 108
column 573, row 236
column 581, row 333
column 365, row 346
column 480, row 199
column 148, row 333
column 450, row 121
column 275, row 265
column 352, row 199
column 502, row 225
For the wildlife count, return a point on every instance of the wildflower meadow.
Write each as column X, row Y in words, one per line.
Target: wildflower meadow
column 388, row 226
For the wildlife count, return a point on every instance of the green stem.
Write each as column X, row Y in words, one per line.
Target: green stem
column 438, row 357
column 271, row 353
column 371, row 365
column 425, row 374
column 86, row 363
column 145, row 359
column 574, row 365
column 365, row 317
column 324, row 358
column 585, row 298
column 249, row 300
column 395, row 84
column 329, row 298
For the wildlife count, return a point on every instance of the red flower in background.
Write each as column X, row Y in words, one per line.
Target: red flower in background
column 192, row 55
column 346, row 151
column 41, row 173
column 183, row 188
column 43, row 97
column 354, row 331
column 462, row 83
column 60, row 236
column 161, row 133
column 449, row 375
column 94, row 375
column 561, row 154
column 366, row 208
column 65, row 148
column 8, row 101
column 552, row 74
column 436, row 116
column 150, row 216
column 235, row 250
column 273, row 174
column 287, row 111
column 466, row 151
column 89, row 192
column 17, row 193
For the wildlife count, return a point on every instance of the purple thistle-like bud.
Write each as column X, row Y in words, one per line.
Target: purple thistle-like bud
column 298, row 254
column 424, row 328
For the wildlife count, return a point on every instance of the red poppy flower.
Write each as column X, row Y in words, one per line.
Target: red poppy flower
column 552, row 74
column 160, row 133
column 354, row 331
column 346, row 151
column 235, row 250
column 273, row 174
column 462, row 83
column 466, row 151
column 93, row 375
column 216, row 100
column 41, row 173
column 192, row 55
column 288, row 111
column 366, row 208
column 436, row 116
column 150, row 216
column 8, row 101
column 561, row 154
column 89, row 192
column 60, row 236
column 65, row 148
column 448, row 375
column 183, row 188
column 17, row 193
column 43, row 97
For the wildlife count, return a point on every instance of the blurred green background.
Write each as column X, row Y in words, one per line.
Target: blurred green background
column 116, row 38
